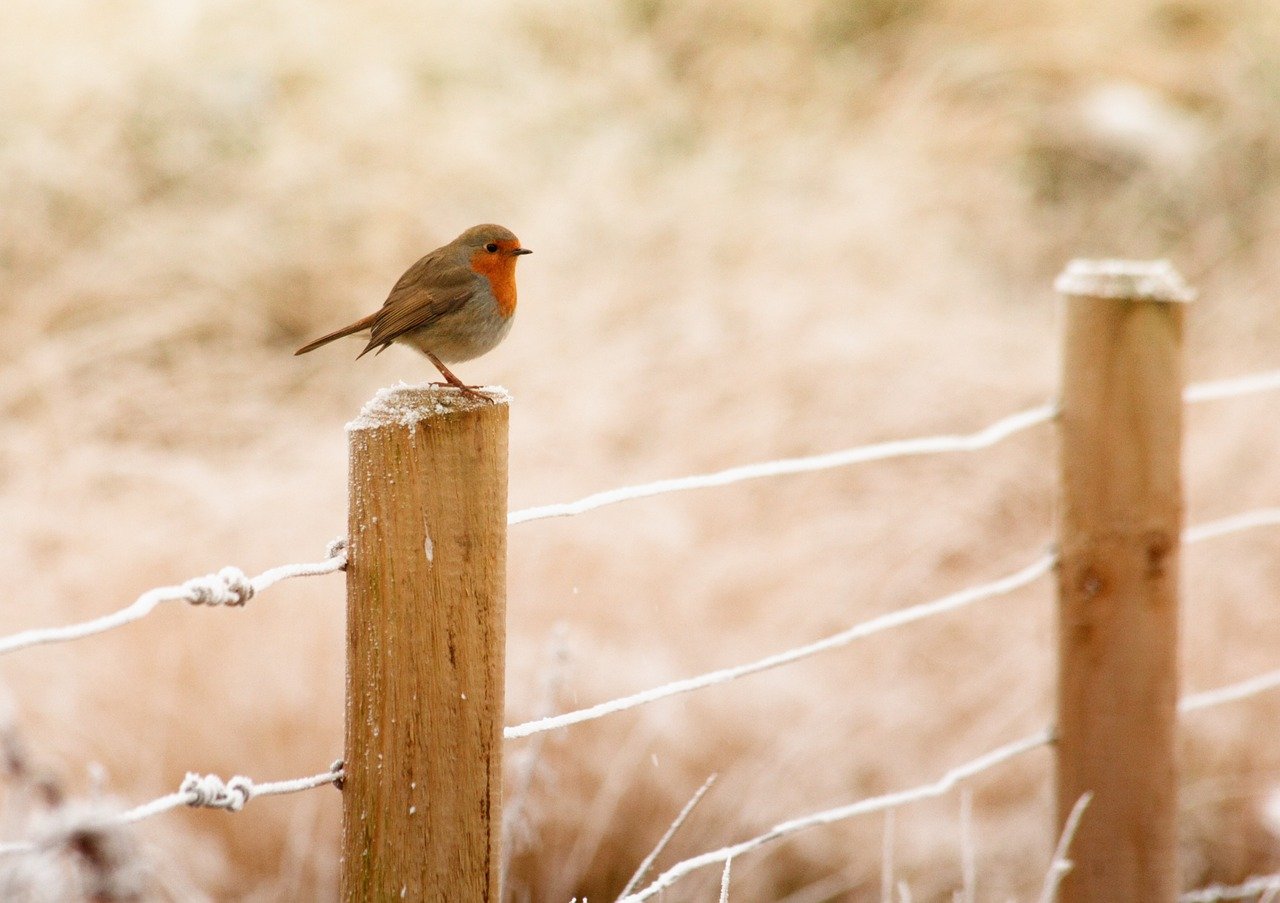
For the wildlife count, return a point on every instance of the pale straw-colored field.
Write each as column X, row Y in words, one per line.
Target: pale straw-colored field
column 760, row 229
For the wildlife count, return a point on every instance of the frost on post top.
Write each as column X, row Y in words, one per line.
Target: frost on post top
column 1140, row 280
column 407, row 404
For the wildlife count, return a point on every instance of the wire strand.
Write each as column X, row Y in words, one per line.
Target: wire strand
column 1254, row 887
column 228, row 586
column 1262, row 517
column 1232, row 387
column 1001, row 586
column 880, row 451
column 198, row 791
column 998, row 756
column 1231, row 692
column 210, row 792
column 996, row 432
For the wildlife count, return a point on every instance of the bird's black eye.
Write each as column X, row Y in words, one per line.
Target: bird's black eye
column 491, row 248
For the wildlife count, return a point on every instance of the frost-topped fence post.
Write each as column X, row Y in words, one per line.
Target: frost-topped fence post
column 426, row 608
column 1119, row 528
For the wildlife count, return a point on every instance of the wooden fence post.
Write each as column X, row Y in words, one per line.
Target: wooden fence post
column 426, row 607
column 1119, row 532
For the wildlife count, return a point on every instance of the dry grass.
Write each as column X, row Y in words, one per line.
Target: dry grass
column 760, row 229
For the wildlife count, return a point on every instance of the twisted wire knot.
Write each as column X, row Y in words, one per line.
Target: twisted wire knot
column 210, row 792
column 229, row 586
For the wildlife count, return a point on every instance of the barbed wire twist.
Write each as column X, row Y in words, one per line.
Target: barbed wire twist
column 208, row 791
column 196, row 790
column 229, row 586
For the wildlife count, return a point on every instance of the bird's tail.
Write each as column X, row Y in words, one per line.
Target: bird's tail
column 358, row 326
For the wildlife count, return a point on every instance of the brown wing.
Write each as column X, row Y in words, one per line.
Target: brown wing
column 429, row 289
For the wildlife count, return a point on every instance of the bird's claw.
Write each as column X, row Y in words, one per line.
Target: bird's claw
column 469, row 391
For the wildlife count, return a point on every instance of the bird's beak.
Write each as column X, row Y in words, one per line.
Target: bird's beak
column 518, row 251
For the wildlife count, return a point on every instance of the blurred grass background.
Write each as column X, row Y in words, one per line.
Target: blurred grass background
column 760, row 229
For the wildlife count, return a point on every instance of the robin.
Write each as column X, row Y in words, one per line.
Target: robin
column 453, row 305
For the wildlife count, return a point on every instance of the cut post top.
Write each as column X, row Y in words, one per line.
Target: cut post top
column 404, row 404
column 1136, row 280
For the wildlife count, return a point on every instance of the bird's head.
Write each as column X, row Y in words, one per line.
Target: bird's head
column 490, row 248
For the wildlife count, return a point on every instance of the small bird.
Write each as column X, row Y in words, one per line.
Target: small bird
column 454, row 304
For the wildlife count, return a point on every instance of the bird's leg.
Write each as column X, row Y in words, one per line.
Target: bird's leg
column 454, row 381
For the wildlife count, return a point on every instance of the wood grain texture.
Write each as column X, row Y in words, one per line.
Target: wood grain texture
column 1119, row 525
column 426, row 584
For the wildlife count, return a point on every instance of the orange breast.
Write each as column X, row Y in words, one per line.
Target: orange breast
column 500, row 269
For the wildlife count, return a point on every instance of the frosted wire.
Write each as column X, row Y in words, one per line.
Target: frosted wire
column 183, row 798
column 873, row 804
column 996, row 432
column 1230, row 693
column 1254, row 887
column 255, row 790
column 939, row 787
column 147, row 602
column 900, row 448
column 1233, row 387
column 1213, row 529
column 1007, row 584
column 984, row 438
column 944, row 784
column 1260, row 517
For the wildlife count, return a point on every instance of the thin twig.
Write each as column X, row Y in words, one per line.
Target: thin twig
column 513, row 812
column 647, row 864
column 886, row 859
column 968, row 863
column 1060, row 864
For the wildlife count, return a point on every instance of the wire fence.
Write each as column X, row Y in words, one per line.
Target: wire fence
column 231, row 587
column 209, row 791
